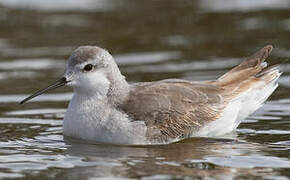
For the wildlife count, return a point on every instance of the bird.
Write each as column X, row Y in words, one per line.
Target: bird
column 106, row 108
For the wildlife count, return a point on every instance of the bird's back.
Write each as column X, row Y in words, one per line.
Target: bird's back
column 174, row 109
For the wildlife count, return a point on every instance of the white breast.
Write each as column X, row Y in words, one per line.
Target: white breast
column 94, row 121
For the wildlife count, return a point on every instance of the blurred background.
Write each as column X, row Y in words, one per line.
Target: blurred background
column 150, row 40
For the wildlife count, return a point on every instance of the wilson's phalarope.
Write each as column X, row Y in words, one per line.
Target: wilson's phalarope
column 106, row 108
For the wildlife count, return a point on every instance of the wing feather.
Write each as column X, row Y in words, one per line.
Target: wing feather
column 173, row 109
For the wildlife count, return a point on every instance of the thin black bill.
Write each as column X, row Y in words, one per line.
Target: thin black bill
column 61, row 82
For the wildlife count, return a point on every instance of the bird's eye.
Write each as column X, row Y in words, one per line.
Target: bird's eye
column 88, row 67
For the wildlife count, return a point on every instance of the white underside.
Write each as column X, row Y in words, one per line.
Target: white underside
column 238, row 109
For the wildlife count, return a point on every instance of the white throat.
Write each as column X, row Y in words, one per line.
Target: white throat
column 94, row 85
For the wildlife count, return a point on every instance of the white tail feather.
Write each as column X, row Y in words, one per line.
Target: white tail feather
column 241, row 107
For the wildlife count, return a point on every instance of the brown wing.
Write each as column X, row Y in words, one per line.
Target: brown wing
column 173, row 108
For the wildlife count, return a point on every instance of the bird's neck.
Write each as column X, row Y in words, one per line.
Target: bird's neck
column 119, row 90
column 113, row 93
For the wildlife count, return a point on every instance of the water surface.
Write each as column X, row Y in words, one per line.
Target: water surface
column 151, row 40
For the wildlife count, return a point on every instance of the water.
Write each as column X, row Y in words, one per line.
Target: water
column 151, row 40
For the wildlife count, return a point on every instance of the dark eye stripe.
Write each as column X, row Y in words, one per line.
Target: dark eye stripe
column 88, row 67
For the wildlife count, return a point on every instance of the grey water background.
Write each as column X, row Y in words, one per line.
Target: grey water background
column 151, row 40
